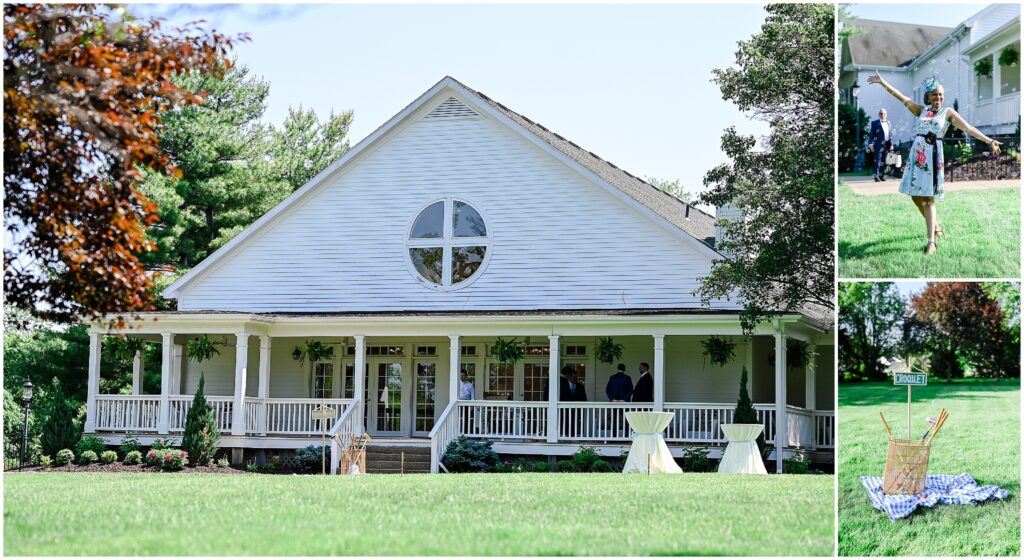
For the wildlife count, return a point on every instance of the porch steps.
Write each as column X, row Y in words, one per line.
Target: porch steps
column 387, row 459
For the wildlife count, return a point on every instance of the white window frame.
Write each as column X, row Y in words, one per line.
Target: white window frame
column 447, row 242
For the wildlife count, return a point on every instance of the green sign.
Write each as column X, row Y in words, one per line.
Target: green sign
column 910, row 379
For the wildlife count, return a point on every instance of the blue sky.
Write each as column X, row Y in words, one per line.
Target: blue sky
column 630, row 83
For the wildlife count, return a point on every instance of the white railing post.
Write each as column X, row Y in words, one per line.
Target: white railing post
column 359, row 376
column 810, row 373
column 137, row 373
column 553, row 386
column 93, row 384
column 659, row 372
column 781, row 430
column 241, row 366
column 454, row 356
column 166, row 357
column 264, row 386
column 179, row 353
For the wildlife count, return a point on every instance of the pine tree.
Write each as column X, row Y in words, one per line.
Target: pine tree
column 745, row 413
column 201, row 439
column 59, row 430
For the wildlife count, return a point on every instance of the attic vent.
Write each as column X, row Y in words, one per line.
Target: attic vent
column 451, row 109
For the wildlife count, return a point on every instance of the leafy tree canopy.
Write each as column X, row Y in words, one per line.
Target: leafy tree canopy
column 869, row 316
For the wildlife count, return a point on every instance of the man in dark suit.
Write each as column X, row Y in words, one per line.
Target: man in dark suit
column 573, row 391
column 644, row 390
column 619, row 389
column 880, row 139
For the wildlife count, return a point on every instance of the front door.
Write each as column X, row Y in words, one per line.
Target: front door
column 424, row 399
column 386, row 387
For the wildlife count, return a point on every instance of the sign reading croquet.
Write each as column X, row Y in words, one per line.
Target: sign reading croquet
column 910, row 379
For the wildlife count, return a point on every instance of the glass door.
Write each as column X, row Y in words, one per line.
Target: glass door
column 535, row 381
column 388, row 390
column 423, row 405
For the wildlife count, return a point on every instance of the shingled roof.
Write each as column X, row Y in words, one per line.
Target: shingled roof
column 890, row 43
column 686, row 217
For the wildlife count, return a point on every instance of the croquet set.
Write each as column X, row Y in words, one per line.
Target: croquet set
column 353, row 453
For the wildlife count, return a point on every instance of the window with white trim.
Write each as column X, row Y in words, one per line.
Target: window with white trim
column 448, row 243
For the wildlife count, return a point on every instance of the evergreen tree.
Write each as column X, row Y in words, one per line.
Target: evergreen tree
column 201, row 439
column 59, row 430
column 745, row 413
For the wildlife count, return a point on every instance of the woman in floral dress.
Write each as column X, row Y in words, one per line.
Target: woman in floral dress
column 922, row 178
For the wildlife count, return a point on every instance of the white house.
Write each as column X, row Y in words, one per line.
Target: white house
column 455, row 223
column 906, row 54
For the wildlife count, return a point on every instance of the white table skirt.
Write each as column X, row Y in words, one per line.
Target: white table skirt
column 742, row 455
column 648, row 445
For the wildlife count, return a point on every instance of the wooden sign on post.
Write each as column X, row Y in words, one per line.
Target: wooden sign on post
column 323, row 413
column 909, row 379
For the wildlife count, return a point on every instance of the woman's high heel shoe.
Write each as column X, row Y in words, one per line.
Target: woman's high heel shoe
column 939, row 232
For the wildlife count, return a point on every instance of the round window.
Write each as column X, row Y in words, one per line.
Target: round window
column 448, row 243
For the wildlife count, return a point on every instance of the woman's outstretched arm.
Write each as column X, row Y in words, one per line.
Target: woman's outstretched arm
column 906, row 101
column 965, row 126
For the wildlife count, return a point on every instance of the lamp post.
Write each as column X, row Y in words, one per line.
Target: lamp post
column 858, row 162
column 26, row 398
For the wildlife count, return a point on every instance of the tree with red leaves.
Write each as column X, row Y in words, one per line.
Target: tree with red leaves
column 84, row 91
column 966, row 325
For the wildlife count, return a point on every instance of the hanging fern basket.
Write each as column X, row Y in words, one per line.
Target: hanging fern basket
column 608, row 350
column 507, row 350
column 983, row 67
column 718, row 351
column 1009, row 56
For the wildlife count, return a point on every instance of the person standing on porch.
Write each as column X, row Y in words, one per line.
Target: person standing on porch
column 644, row 390
column 467, row 392
column 619, row 389
column 573, row 391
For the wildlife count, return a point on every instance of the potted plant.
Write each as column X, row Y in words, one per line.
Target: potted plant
column 718, row 350
column 315, row 351
column 1009, row 56
column 798, row 354
column 507, row 350
column 743, row 432
column 608, row 350
column 201, row 348
column 983, row 67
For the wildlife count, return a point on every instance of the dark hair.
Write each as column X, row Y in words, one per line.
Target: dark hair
column 463, row 371
column 566, row 370
column 646, row 365
column 622, row 367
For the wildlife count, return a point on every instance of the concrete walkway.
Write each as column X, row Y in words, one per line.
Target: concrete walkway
column 866, row 186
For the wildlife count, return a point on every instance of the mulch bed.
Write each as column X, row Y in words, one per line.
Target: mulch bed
column 984, row 168
column 122, row 468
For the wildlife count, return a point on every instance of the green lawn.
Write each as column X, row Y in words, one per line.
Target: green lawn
column 981, row 437
column 62, row 514
column 884, row 236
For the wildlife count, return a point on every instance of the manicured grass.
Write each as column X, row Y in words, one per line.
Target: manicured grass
column 981, row 437
column 884, row 236
column 508, row 515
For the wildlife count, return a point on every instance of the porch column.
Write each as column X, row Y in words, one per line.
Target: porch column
column 93, row 385
column 781, row 428
column 179, row 353
column 241, row 365
column 166, row 357
column 454, row 355
column 359, row 376
column 264, row 383
column 553, row 386
column 810, row 400
column 137, row 373
column 659, row 372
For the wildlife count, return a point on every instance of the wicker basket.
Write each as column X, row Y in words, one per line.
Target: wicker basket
column 906, row 466
column 350, row 457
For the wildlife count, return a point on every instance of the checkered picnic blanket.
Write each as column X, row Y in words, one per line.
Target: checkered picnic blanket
column 938, row 489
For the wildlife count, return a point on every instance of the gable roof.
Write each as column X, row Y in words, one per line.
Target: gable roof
column 891, row 43
column 689, row 223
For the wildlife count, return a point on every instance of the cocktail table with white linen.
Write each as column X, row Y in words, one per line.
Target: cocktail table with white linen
column 741, row 455
column 648, row 446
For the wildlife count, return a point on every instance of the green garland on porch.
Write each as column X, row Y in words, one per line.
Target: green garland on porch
column 507, row 350
column 718, row 350
column 608, row 350
column 201, row 349
column 1009, row 56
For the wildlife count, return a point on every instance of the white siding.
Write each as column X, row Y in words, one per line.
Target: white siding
column 953, row 73
column 558, row 241
column 874, row 97
column 998, row 16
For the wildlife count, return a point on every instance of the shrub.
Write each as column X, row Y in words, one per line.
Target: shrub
column 566, row 465
column 87, row 456
column 90, row 443
column 108, row 457
column 745, row 412
column 252, row 467
column 223, row 463
column 128, row 444
column 695, row 459
column 133, row 457
column 269, row 468
column 585, row 458
column 308, row 458
column 797, row 464
column 162, row 443
column 541, row 466
column 201, row 439
column 467, row 455
column 601, row 465
column 45, row 461
column 65, row 457
column 155, row 457
column 173, row 459
column 59, row 430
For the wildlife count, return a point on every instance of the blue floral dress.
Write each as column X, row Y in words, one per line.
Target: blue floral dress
column 923, row 174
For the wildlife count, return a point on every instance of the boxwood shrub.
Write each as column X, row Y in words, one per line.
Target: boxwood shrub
column 65, row 457
column 465, row 455
column 108, row 457
column 88, row 456
column 133, row 457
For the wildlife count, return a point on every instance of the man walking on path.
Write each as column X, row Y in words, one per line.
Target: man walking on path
column 881, row 141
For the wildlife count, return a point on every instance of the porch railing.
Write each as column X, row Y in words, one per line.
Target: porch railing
column 825, row 429
column 504, row 419
column 289, row 416
column 800, row 427
column 446, row 429
column 180, row 405
column 345, row 426
column 128, row 413
column 595, row 421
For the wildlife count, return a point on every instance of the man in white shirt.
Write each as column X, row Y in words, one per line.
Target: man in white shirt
column 881, row 141
column 467, row 392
